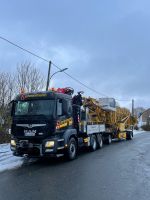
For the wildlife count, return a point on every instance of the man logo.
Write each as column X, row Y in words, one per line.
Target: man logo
column 30, row 126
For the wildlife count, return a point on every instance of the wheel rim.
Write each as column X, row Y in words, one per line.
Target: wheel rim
column 109, row 139
column 101, row 143
column 72, row 150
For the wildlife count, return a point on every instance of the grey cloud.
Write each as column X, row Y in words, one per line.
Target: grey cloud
column 104, row 44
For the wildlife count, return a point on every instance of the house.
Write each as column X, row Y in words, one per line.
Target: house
column 144, row 118
column 138, row 111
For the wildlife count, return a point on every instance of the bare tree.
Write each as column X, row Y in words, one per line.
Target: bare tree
column 11, row 85
column 3, row 89
column 7, row 88
column 29, row 78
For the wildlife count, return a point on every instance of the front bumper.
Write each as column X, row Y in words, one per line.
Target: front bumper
column 25, row 147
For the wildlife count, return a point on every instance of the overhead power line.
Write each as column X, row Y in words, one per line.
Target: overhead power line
column 16, row 45
column 73, row 78
column 46, row 60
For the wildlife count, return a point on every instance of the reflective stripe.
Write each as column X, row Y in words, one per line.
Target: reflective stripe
column 60, row 148
column 60, row 140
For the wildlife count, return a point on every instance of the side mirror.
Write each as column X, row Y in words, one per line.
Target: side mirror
column 59, row 107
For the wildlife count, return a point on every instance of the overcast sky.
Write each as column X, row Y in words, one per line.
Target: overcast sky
column 104, row 43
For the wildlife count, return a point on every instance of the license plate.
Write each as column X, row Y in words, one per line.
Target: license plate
column 29, row 134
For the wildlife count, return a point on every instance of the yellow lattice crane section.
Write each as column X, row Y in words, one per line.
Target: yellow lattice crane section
column 110, row 117
column 96, row 114
column 118, row 120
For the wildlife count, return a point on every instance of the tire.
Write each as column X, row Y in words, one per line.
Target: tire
column 109, row 139
column 129, row 135
column 72, row 149
column 99, row 141
column 93, row 143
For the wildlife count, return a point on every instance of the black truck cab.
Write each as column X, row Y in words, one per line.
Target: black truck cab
column 43, row 125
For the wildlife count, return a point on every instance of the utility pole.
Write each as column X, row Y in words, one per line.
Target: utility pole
column 48, row 75
column 132, row 107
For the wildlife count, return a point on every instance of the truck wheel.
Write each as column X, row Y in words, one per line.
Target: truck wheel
column 129, row 135
column 71, row 153
column 109, row 139
column 99, row 141
column 93, row 143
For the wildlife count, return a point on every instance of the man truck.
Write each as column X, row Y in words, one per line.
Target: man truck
column 55, row 123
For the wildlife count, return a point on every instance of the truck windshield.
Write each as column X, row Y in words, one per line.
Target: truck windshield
column 34, row 107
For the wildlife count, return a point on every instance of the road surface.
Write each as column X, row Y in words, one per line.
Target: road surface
column 120, row 171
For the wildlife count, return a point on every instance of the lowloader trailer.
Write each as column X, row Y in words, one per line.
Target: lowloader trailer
column 54, row 124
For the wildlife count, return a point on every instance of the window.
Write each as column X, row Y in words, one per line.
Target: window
column 35, row 107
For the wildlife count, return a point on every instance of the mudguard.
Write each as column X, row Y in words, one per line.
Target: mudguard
column 68, row 133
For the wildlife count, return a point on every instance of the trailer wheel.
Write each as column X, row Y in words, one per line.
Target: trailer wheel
column 109, row 139
column 129, row 135
column 93, row 143
column 71, row 153
column 99, row 141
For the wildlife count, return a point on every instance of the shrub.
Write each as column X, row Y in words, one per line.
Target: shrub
column 146, row 127
column 4, row 137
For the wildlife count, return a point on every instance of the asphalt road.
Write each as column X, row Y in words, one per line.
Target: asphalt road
column 116, row 172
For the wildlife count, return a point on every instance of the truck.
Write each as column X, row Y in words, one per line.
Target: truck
column 55, row 123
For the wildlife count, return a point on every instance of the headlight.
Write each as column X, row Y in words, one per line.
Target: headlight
column 49, row 144
column 13, row 143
